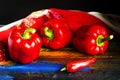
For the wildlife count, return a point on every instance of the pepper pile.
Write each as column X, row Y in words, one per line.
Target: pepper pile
column 55, row 28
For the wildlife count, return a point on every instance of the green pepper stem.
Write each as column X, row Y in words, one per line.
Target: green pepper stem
column 26, row 34
column 100, row 39
column 63, row 69
column 49, row 33
column 110, row 37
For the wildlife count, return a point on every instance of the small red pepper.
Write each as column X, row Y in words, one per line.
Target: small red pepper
column 55, row 34
column 75, row 18
column 76, row 65
column 24, row 45
column 92, row 39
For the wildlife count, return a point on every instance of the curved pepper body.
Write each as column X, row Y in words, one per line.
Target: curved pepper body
column 75, row 65
column 76, row 19
column 87, row 39
column 61, row 34
column 24, row 50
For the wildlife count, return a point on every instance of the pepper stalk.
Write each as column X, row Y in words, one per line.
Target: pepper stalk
column 26, row 34
column 49, row 33
column 100, row 40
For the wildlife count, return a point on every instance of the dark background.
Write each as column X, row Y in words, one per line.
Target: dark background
column 11, row 10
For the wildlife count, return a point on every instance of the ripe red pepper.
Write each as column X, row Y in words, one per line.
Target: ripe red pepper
column 75, row 18
column 76, row 65
column 55, row 34
column 24, row 45
column 92, row 39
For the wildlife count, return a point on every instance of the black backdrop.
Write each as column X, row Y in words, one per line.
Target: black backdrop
column 11, row 10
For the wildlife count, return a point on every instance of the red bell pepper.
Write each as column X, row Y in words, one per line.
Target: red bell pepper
column 76, row 19
column 55, row 34
column 92, row 39
column 24, row 45
column 76, row 65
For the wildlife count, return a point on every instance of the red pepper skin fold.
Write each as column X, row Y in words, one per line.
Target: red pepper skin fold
column 32, row 23
column 92, row 39
column 55, row 34
column 76, row 19
column 34, row 20
column 55, row 15
column 24, row 45
column 76, row 65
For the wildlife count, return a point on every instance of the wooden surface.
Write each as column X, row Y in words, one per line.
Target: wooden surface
column 107, row 66
column 110, row 59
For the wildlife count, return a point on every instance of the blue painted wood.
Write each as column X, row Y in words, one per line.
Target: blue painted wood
column 32, row 67
column 36, row 67
column 6, row 77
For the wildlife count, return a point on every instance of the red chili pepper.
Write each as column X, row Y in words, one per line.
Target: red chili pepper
column 24, row 45
column 76, row 19
column 55, row 34
column 76, row 65
column 92, row 39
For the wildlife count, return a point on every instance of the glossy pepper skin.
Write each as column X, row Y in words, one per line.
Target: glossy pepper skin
column 75, row 18
column 76, row 65
column 55, row 34
column 32, row 23
column 92, row 39
column 24, row 45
